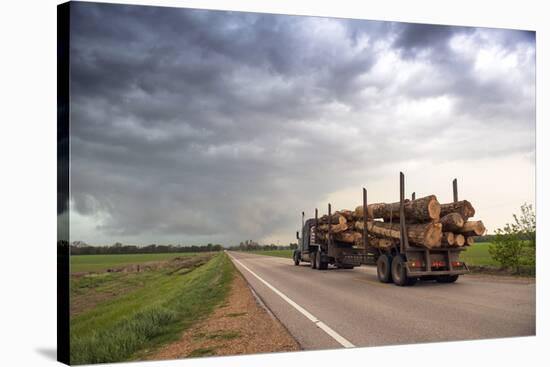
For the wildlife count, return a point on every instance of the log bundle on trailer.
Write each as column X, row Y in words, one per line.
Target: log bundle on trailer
column 429, row 224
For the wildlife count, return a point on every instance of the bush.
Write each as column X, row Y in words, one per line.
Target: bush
column 514, row 246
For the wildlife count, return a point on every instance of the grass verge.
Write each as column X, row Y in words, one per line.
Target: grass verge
column 157, row 313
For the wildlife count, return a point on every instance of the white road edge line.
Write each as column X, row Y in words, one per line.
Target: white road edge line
column 321, row 325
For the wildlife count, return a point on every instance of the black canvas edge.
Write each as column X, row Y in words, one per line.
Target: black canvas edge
column 63, row 172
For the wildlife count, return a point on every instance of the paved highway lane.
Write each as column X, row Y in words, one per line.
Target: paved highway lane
column 352, row 306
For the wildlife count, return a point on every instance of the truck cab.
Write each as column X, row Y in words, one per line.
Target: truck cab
column 320, row 253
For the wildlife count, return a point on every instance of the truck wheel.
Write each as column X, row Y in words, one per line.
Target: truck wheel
column 399, row 272
column 321, row 265
column 313, row 257
column 318, row 260
column 446, row 278
column 383, row 268
column 296, row 258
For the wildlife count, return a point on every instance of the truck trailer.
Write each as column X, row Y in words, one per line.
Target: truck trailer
column 402, row 263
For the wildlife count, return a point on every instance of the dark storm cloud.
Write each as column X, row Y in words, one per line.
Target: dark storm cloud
column 413, row 38
column 192, row 125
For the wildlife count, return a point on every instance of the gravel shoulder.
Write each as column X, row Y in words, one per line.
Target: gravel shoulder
column 238, row 326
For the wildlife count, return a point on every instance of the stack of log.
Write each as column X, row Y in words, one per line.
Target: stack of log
column 429, row 224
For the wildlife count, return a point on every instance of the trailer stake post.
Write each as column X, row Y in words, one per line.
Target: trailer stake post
column 365, row 230
column 329, row 236
column 455, row 190
column 316, row 226
column 402, row 226
column 303, row 225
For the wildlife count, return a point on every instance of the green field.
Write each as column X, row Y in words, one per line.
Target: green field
column 125, row 316
column 86, row 263
column 478, row 254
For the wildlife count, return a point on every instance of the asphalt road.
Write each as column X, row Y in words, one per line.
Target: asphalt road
column 351, row 305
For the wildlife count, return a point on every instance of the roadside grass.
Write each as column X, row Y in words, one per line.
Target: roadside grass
column 478, row 255
column 88, row 263
column 90, row 289
column 126, row 327
column 277, row 253
column 222, row 335
column 202, row 352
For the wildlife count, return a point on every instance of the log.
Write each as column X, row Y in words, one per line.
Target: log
column 463, row 207
column 473, row 228
column 459, row 240
column 452, row 222
column 420, row 210
column 338, row 223
column 381, row 243
column 356, row 238
column 425, row 234
column 469, row 241
column 448, row 239
column 336, row 218
column 348, row 236
column 348, row 214
column 335, row 228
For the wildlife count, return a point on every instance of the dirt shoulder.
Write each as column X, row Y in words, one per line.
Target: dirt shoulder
column 239, row 326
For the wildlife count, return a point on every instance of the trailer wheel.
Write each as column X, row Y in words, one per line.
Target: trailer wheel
column 321, row 265
column 296, row 258
column 399, row 272
column 313, row 258
column 383, row 268
column 318, row 263
column 446, row 278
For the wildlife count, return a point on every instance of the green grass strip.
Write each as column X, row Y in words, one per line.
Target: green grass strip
column 155, row 314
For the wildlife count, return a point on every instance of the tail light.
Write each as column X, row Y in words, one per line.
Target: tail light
column 416, row 264
column 457, row 263
column 438, row 264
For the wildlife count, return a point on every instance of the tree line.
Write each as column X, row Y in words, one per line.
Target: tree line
column 80, row 248
column 250, row 245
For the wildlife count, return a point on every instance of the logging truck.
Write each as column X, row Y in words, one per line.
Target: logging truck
column 386, row 245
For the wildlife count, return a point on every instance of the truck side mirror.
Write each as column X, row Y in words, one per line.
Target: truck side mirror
column 297, row 235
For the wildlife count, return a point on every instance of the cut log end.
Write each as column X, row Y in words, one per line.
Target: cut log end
column 459, row 240
column 452, row 222
column 463, row 207
column 448, row 238
column 473, row 228
column 434, row 209
column 434, row 233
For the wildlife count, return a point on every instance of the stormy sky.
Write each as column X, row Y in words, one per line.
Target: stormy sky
column 193, row 126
